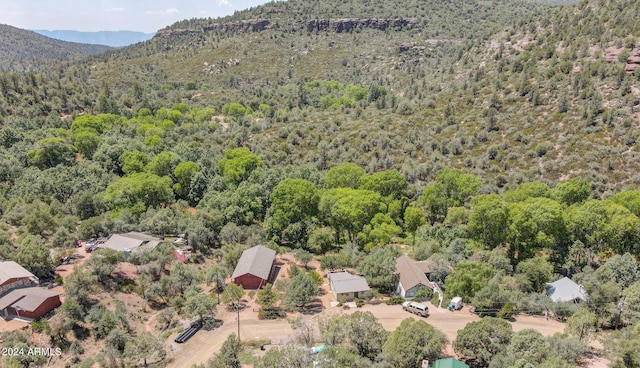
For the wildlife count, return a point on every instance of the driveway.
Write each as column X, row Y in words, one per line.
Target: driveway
column 206, row 344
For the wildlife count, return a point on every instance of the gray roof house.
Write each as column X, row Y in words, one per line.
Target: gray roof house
column 344, row 284
column 132, row 241
column 254, row 267
column 566, row 290
column 411, row 277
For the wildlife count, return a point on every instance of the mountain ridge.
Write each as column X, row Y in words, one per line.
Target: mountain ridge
column 107, row 38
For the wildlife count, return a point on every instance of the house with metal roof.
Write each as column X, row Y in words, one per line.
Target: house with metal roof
column 345, row 285
column 566, row 290
column 32, row 302
column 13, row 276
column 411, row 277
column 19, row 294
column 255, row 267
column 131, row 242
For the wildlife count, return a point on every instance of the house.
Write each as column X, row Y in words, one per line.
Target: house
column 344, row 284
column 566, row 290
column 32, row 302
column 411, row 277
column 19, row 294
column 13, row 276
column 449, row 363
column 255, row 267
column 131, row 242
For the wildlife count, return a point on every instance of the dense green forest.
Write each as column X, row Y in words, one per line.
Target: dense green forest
column 496, row 139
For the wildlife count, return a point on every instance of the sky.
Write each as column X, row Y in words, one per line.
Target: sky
column 112, row 15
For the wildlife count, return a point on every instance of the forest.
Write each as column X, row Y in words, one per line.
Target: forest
column 495, row 139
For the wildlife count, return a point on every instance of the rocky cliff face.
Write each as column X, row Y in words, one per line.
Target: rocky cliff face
column 331, row 25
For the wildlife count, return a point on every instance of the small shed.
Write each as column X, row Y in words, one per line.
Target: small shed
column 255, row 267
column 449, row 363
column 344, row 284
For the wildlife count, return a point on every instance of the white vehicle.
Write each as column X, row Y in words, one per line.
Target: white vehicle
column 416, row 308
column 456, row 303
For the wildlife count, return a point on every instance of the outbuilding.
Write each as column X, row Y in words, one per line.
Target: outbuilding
column 566, row 290
column 348, row 286
column 255, row 267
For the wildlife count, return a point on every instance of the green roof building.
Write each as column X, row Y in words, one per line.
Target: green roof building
column 449, row 363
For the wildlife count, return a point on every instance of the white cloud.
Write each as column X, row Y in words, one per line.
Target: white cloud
column 168, row 11
column 223, row 2
column 116, row 10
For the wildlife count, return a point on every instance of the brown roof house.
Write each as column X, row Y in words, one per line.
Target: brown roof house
column 20, row 296
column 412, row 277
column 255, row 267
column 344, row 284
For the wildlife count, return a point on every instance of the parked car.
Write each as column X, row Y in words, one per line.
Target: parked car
column 416, row 308
column 187, row 333
column 90, row 246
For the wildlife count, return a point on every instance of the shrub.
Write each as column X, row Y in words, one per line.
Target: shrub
column 395, row 300
column 359, row 302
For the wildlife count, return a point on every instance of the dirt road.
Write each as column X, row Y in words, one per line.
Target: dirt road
column 207, row 343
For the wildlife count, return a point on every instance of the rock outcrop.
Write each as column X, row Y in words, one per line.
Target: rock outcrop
column 338, row 25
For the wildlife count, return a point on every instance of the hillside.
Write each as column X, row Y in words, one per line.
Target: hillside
column 495, row 140
column 22, row 50
column 107, row 38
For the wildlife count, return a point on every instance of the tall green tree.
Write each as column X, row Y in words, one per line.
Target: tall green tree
column 292, row 200
column 238, row 163
column 301, row 289
column 478, row 342
column 412, row 342
column 451, row 188
column 488, row 220
column 467, row 278
column 345, row 175
column 388, row 183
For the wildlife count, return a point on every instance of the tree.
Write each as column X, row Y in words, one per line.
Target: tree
column 290, row 355
column 81, row 285
column 581, row 324
column 133, row 161
column 624, row 268
column 139, row 191
column 199, row 304
column 217, row 275
column 603, row 225
column 379, row 268
column 572, row 191
column 537, row 271
column 412, row 342
column 488, row 220
column 389, row 183
column 467, row 278
column 303, row 256
column 238, row 163
column 229, row 355
column 366, row 334
column 334, row 329
column 145, row 346
column 451, row 188
column 630, row 199
column 379, row 231
column 345, row 175
column 267, row 297
column 33, row 255
column 184, row 173
column 528, row 190
column 478, row 342
column 162, row 164
column 233, row 294
column 349, row 209
column 340, row 357
column 535, row 223
column 292, row 200
column 413, row 219
column 50, row 152
column 300, row 290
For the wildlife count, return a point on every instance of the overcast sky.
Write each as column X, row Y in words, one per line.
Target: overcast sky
column 112, row 15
